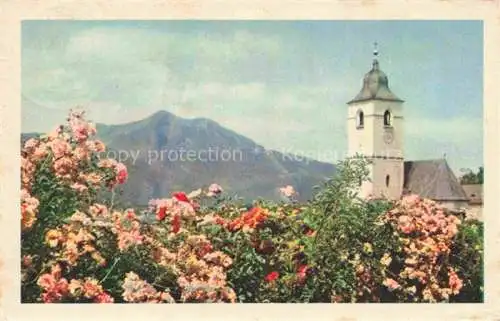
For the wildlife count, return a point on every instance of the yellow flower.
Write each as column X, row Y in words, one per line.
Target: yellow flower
column 52, row 237
column 75, row 286
column 344, row 256
column 91, row 288
column 411, row 261
column 194, row 194
column 367, row 248
column 386, row 259
column 73, row 237
column 98, row 258
column 88, row 248
column 427, row 295
column 412, row 289
column 405, row 241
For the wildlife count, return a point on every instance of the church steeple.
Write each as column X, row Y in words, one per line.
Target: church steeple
column 375, row 84
column 375, row 131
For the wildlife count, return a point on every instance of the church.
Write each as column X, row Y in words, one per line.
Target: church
column 375, row 130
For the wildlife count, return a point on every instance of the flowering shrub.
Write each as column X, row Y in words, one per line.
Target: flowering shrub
column 206, row 247
column 427, row 234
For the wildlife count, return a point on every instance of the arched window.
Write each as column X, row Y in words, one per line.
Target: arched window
column 360, row 119
column 387, row 118
column 387, row 180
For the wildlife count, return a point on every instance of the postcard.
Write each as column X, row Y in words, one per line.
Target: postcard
column 275, row 163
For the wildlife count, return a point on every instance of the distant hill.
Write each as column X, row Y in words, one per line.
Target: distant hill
column 250, row 172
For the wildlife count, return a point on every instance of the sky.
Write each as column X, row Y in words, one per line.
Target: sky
column 284, row 84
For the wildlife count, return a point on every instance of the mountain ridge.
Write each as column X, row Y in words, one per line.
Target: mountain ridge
column 256, row 173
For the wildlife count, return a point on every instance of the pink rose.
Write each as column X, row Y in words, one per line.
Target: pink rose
column 79, row 187
column 287, row 191
column 121, row 173
column 391, row 284
column 214, row 189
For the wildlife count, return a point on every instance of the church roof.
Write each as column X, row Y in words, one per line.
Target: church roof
column 375, row 86
column 433, row 179
column 474, row 192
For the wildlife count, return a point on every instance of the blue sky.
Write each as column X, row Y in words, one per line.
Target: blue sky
column 284, row 84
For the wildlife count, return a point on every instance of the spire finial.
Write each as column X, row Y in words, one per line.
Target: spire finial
column 375, row 54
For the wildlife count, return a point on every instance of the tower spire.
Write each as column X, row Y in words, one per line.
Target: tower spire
column 375, row 55
column 375, row 83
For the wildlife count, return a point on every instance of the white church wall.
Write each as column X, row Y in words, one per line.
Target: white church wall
column 388, row 174
column 379, row 171
column 381, row 144
column 475, row 211
column 454, row 205
column 360, row 140
column 388, row 140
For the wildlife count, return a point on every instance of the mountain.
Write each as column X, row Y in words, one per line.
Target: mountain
column 167, row 153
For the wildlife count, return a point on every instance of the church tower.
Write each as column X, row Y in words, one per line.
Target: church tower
column 375, row 131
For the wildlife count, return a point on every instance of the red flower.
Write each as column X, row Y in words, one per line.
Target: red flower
column 130, row 215
column 103, row 298
column 254, row 217
column 176, row 223
column 121, row 173
column 302, row 269
column 272, row 276
column 181, row 197
column 309, row 232
column 219, row 220
column 204, row 249
column 162, row 212
column 251, row 218
column 235, row 225
column 301, row 273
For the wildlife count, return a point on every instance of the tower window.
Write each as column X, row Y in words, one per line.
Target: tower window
column 387, row 180
column 360, row 119
column 387, row 118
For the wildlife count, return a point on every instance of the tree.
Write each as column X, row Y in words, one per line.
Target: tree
column 473, row 178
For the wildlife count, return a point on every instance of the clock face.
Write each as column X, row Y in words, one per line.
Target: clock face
column 388, row 137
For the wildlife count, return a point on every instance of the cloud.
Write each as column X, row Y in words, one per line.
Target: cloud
column 459, row 139
column 454, row 130
column 137, row 68
column 200, row 52
column 276, row 117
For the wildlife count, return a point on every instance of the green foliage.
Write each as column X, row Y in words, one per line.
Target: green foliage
column 57, row 202
column 467, row 254
column 327, row 250
column 472, row 177
column 338, row 248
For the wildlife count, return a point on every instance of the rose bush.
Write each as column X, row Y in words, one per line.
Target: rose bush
column 206, row 247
